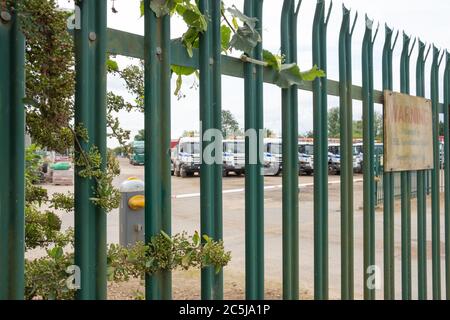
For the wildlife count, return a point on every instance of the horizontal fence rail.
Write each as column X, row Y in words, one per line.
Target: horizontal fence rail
column 93, row 42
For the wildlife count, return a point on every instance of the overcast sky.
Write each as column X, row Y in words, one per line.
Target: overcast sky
column 425, row 19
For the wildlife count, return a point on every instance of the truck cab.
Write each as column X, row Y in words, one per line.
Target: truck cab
column 334, row 158
column 186, row 157
column 137, row 153
column 306, row 158
column 233, row 157
column 273, row 157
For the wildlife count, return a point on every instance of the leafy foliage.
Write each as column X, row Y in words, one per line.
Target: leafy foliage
column 229, row 124
column 161, row 254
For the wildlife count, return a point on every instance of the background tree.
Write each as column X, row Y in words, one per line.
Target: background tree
column 269, row 133
column 189, row 133
column 333, row 123
column 140, row 136
column 229, row 124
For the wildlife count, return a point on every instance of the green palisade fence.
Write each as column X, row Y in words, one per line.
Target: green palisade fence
column 94, row 41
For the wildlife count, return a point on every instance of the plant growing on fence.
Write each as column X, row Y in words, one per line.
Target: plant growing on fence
column 162, row 253
column 240, row 34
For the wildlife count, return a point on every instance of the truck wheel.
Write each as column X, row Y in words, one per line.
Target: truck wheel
column 225, row 173
column 177, row 171
column 183, row 172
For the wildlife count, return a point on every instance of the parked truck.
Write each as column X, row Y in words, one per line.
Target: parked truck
column 186, row 157
column 137, row 153
column 233, row 157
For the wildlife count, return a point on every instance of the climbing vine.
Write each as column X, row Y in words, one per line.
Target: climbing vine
column 238, row 32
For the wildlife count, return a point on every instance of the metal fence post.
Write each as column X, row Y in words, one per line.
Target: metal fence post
column 369, row 157
column 290, row 159
column 406, row 183
column 320, row 154
column 421, row 191
column 12, row 164
column 216, row 54
column 388, row 184
column 210, row 118
column 90, row 112
column 346, row 137
column 435, row 192
column 254, row 179
column 157, row 97
column 447, row 171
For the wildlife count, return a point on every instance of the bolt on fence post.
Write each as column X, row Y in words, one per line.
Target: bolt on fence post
column 421, row 191
column 405, row 185
column 447, row 172
column 346, row 140
column 369, row 156
column 90, row 112
column 157, row 98
column 320, row 156
column 435, row 192
column 289, row 116
column 12, row 164
column 388, row 186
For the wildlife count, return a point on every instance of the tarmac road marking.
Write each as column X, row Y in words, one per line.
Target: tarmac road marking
column 241, row 190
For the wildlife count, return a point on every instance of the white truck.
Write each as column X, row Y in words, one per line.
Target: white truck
column 233, row 157
column 273, row 157
column 186, row 157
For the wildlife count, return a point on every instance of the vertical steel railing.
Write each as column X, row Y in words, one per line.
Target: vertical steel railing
column 12, row 163
column 157, row 141
column 447, row 172
column 289, row 114
column 320, row 111
column 388, row 184
column 210, row 119
column 346, row 138
column 435, row 206
column 90, row 112
column 369, row 158
column 406, row 182
column 216, row 54
column 254, row 179
column 421, row 190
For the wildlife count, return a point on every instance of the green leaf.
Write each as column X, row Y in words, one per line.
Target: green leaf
column 245, row 39
column 218, row 268
column 30, row 102
column 160, row 7
column 250, row 22
column 165, row 235
column 112, row 65
column 182, row 71
column 290, row 75
column 195, row 19
column 142, row 7
column 189, row 38
column 225, row 32
column 55, row 253
column 179, row 84
column 235, row 23
column 186, row 260
column 313, row 73
column 196, row 239
column 272, row 60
